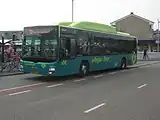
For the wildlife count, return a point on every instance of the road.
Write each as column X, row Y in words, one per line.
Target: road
column 131, row 94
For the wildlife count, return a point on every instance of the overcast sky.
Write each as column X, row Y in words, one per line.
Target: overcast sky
column 15, row 14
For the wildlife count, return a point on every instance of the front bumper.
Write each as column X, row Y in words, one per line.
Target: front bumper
column 38, row 68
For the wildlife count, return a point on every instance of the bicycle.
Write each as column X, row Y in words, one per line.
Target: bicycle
column 15, row 62
column 10, row 64
column 6, row 65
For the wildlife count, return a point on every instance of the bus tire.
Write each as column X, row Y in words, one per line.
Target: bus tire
column 123, row 64
column 84, row 69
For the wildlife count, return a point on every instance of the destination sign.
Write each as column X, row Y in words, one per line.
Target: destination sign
column 38, row 30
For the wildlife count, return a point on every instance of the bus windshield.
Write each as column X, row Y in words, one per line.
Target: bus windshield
column 40, row 48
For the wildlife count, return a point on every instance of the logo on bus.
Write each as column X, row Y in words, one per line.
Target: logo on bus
column 43, row 65
column 64, row 62
column 98, row 60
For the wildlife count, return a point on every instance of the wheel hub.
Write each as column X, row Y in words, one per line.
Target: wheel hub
column 84, row 69
column 123, row 65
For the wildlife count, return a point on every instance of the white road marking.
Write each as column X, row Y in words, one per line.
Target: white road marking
column 111, row 73
column 142, row 86
column 147, row 66
column 98, row 76
column 126, row 70
column 3, row 90
column 123, row 70
column 17, row 93
column 91, row 109
column 132, row 68
column 79, row 80
column 55, row 85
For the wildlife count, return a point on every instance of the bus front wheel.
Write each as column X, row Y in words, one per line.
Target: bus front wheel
column 84, row 69
column 123, row 64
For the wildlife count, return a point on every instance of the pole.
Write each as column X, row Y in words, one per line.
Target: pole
column 158, row 37
column 72, row 10
column 14, row 39
column 2, row 49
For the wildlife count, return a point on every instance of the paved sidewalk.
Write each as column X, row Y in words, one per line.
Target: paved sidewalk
column 10, row 73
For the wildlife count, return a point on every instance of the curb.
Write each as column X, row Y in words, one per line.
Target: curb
column 144, row 64
column 11, row 74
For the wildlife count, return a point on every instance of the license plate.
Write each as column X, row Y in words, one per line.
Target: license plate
column 35, row 72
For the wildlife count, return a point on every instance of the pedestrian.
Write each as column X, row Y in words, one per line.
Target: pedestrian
column 145, row 55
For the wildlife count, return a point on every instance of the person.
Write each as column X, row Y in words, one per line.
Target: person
column 10, row 52
column 145, row 55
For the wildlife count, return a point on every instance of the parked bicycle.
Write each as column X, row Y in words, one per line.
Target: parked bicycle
column 10, row 64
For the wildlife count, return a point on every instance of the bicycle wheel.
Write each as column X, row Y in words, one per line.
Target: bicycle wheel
column 3, row 67
column 10, row 66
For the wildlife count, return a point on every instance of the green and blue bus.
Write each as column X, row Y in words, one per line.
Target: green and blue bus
column 76, row 48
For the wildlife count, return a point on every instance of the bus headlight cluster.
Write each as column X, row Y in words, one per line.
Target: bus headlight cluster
column 51, row 69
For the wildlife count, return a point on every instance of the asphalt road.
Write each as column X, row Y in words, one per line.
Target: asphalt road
column 131, row 94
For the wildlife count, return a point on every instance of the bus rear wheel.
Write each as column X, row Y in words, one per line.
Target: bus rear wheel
column 84, row 69
column 123, row 64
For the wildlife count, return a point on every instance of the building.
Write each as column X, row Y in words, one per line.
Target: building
column 14, row 37
column 137, row 26
column 156, row 35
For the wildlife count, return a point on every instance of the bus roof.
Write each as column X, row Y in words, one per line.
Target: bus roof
column 92, row 26
column 65, row 23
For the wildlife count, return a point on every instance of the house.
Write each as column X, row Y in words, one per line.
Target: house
column 10, row 34
column 137, row 26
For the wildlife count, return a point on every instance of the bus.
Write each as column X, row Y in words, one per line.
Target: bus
column 76, row 48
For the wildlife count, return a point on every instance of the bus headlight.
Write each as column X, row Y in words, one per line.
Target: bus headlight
column 51, row 69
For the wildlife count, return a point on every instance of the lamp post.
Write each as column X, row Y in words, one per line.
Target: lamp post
column 72, row 10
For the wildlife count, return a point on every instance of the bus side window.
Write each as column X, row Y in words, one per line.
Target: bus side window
column 82, row 43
